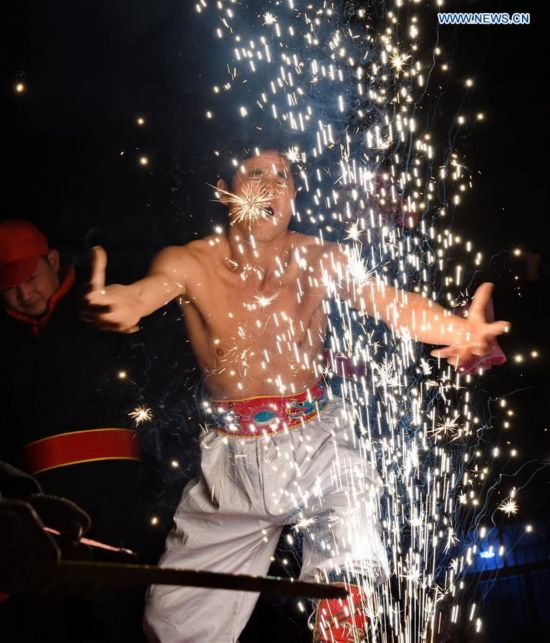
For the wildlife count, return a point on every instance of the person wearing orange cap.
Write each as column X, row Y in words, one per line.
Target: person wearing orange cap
column 66, row 391
column 29, row 272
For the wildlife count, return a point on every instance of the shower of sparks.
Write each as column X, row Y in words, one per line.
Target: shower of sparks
column 349, row 90
column 141, row 414
column 249, row 207
column 509, row 507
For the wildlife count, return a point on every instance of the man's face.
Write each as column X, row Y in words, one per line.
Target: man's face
column 31, row 297
column 264, row 191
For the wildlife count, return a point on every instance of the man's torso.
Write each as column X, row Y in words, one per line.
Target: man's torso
column 255, row 336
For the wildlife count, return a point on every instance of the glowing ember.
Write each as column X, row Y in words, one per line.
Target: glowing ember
column 509, row 507
column 249, row 207
column 141, row 414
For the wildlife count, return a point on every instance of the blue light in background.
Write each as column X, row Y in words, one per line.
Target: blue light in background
column 487, row 553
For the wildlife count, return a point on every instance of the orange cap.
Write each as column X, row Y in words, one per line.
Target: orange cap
column 21, row 245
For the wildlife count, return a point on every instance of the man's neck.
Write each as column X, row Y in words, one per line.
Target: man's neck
column 264, row 259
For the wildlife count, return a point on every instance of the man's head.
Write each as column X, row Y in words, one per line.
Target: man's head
column 29, row 270
column 260, row 196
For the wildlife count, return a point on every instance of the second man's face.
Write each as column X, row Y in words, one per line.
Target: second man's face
column 31, row 297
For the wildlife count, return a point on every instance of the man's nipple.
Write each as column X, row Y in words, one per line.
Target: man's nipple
column 219, row 349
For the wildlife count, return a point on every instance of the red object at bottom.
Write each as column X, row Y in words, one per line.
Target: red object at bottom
column 77, row 447
column 339, row 620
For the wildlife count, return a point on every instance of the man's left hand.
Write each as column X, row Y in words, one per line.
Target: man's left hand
column 480, row 332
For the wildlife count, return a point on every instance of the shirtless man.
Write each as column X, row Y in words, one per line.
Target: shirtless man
column 281, row 449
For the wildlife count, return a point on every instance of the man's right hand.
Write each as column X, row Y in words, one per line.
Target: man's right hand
column 114, row 308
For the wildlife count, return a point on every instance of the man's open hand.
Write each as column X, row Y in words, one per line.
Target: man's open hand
column 112, row 308
column 480, row 336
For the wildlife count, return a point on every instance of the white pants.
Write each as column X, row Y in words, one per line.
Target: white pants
column 230, row 519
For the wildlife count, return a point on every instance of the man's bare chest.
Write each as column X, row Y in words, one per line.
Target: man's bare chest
column 247, row 314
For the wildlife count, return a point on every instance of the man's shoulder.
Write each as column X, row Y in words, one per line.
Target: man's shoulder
column 313, row 244
column 209, row 244
column 301, row 239
column 193, row 253
column 204, row 251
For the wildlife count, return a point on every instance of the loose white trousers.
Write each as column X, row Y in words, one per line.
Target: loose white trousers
column 230, row 518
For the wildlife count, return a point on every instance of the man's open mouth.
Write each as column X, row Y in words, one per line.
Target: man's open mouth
column 269, row 211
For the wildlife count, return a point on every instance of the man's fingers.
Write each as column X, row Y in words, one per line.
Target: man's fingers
column 103, row 320
column 90, row 310
column 442, row 353
column 94, row 312
column 455, row 361
column 454, row 355
column 98, row 319
column 480, row 349
column 99, row 266
column 110, row 327
column 117, row 328
column 482, row 296
column 500, row 327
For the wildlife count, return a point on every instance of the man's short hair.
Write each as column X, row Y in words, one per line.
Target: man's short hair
column 253, row 141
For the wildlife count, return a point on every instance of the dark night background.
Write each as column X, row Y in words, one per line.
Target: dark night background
column 92, row 67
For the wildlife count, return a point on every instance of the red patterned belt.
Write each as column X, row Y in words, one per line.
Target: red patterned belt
column 258, row 416
column 81, row 446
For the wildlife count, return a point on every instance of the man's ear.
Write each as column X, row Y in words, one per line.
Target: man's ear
column 223, row 188
column 53, row 260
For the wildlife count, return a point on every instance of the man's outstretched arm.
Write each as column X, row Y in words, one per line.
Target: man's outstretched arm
column 119, row 308
column 425, row 320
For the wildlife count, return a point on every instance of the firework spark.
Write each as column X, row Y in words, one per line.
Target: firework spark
column 269, row 18
column 398, row 62
column 252, row 205
column 263, row 301
column 509, row 507
column 293, row 154
column 249, row 207
column 353, row 232
column 448, row 427
column 141, row 414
